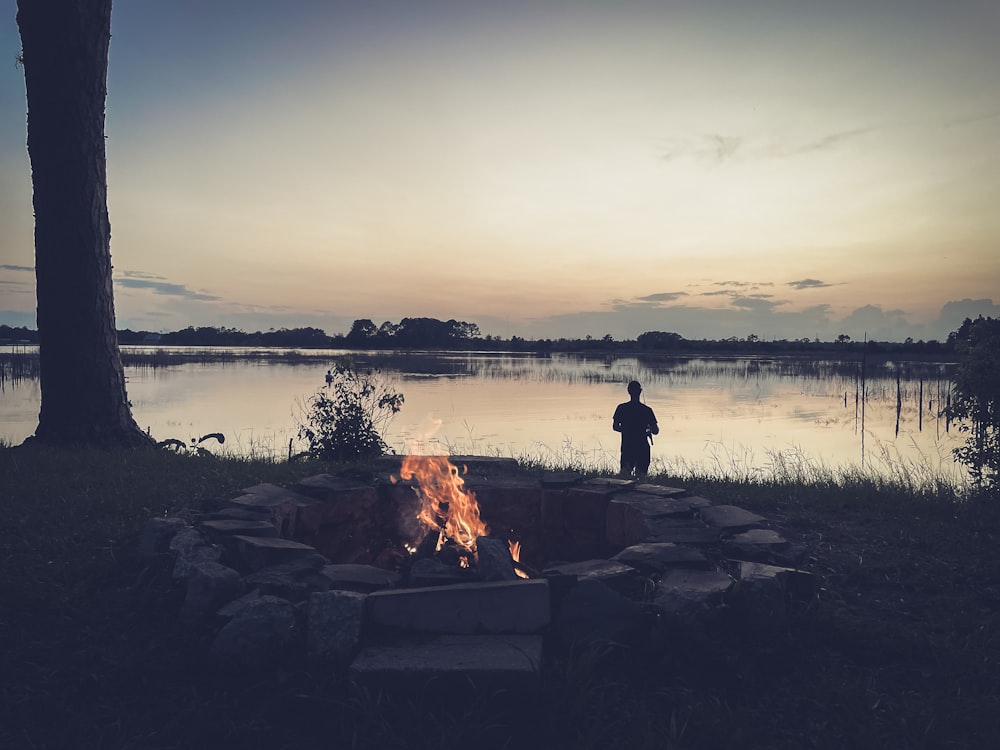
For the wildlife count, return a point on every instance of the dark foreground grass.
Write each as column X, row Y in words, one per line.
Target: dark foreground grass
column 899, row 650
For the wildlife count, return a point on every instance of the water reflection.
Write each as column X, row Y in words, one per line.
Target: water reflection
column 743, row 411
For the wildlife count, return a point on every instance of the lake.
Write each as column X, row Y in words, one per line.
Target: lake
column 736, row 415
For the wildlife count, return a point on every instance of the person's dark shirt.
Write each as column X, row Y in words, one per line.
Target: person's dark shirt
column 632, row 419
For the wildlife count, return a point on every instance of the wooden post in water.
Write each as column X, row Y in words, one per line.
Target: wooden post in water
column 864, row 395
column 899, row 400
column 937, row 413
column 920, row 407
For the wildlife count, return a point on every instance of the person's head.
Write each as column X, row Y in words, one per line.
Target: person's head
column 634, row 389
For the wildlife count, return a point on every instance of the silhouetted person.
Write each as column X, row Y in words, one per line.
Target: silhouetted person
column 329, row 377
column 637, row 424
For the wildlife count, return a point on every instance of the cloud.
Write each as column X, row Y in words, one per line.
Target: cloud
column 724, row 146
column 873, row 322
column 756, row 314
column 822, row 143
column 970, row 119
column 807, row 284
column 714, row 148
column 736, row 288
column 743, row 284
column 954, row 312
column 157, row 285
column 757, row 302
column 15, row 286
column 663, row 297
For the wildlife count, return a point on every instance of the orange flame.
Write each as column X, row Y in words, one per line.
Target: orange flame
column 445, row 503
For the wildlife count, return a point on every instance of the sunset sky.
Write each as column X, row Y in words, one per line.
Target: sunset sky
column 784, row 168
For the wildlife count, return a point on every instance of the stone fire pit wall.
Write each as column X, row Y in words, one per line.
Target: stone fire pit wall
column 313, row 569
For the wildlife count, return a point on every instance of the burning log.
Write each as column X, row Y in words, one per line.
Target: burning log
column 428, row 545
column 495, row 561
column 526, row 571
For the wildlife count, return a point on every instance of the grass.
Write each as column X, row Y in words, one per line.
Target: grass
column 900, row 649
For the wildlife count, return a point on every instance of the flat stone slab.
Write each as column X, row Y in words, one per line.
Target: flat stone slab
column 280, row 504
column 630, row 515
column 465, row 608
column 609, row 483
column 681, row 532
column 795, row 583
column 230, row 526
column 361, row 578
column 266, row 496
column 559, row 480
column 260, row 552
column 618, row 576
column 327, row 486
column 730, row 518
column 487, row 661
column 240, row 514
column 757, row 545
column 691, row 591
column 768, row 537
column 696, row 501
column 659, row 556
column 660, row 491
column 652, row 505
column 602, row 570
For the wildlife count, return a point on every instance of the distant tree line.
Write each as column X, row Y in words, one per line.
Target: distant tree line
column 431, row 333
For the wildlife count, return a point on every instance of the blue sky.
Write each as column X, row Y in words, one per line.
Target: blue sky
column 786, row 168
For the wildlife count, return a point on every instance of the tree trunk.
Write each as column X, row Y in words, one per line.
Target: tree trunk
column 65, row 57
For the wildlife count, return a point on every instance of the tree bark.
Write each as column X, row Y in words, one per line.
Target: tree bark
column 65, row 58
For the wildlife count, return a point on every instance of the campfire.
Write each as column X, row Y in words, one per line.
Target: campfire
column 453, row 530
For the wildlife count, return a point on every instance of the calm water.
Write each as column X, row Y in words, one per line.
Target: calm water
column 734, row 414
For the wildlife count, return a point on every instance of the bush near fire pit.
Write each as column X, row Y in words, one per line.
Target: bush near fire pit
column 901, row 649
column 347, row 419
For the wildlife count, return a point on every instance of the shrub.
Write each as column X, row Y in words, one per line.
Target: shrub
column 348, row 417
column 976, row 398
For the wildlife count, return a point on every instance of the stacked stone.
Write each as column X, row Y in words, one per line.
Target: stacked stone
column 282, row 573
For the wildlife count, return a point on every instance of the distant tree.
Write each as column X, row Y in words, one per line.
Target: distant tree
column 362, row 332
column 431, row 332
column 976, row 397
column 387, row 331
column 659, row 340
column 843, row 338
column 217, row 336
column 307, row 337
column 20, row 335
column 65, row 59
column 462, row 331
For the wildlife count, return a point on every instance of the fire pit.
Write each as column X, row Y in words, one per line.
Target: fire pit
column 467, row 547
